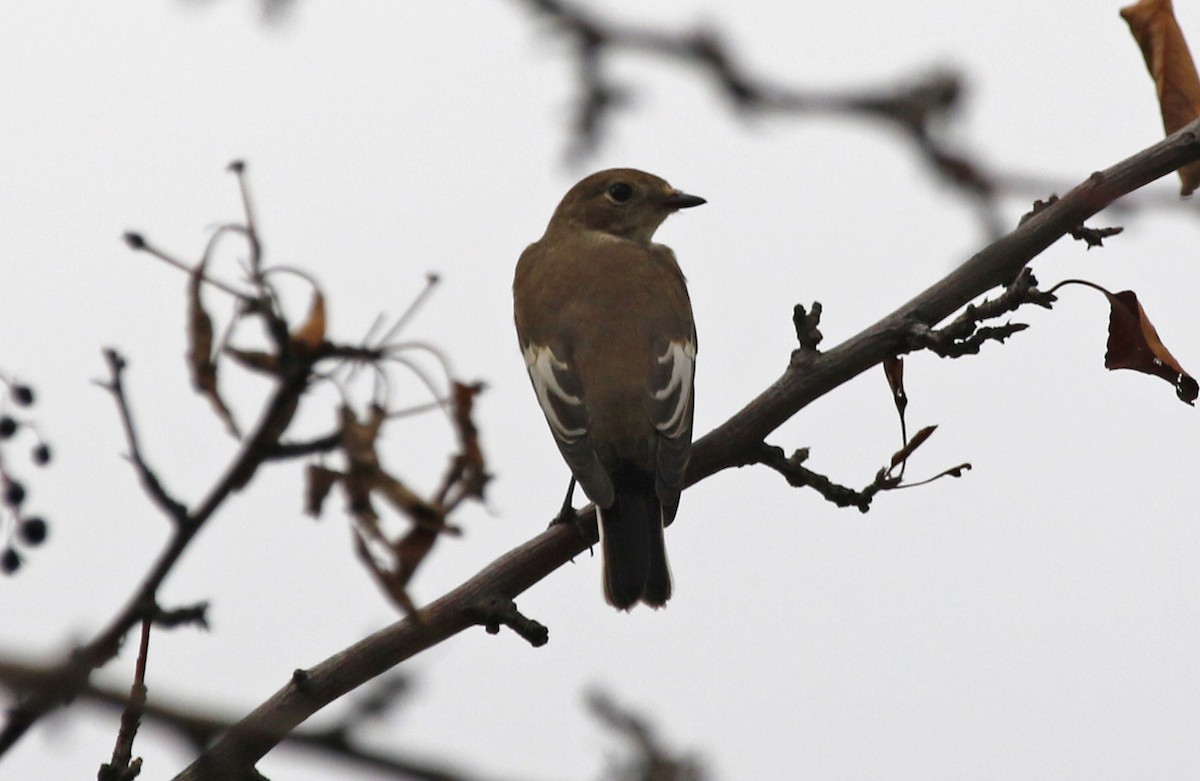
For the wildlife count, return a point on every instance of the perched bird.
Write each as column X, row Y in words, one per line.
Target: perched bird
column 605, row 325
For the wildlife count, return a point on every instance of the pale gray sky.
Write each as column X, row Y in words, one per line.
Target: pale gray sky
column 1037, row 619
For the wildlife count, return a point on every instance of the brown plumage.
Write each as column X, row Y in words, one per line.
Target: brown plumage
column 605, row 324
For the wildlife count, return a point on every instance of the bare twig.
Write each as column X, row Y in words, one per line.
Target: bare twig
column 123, row 766
column 964, row 335
column 798, row 476
column 650, row 760
column 494, row 612
column 175, row 510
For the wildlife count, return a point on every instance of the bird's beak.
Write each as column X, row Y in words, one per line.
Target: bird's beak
column 678, row 200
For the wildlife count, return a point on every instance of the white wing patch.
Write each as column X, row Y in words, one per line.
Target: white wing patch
column 682, row 358
column 542, row 363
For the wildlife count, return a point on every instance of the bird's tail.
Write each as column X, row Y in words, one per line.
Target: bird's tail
column 635, row 554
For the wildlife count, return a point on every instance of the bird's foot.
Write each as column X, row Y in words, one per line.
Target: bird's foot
column 567, row 514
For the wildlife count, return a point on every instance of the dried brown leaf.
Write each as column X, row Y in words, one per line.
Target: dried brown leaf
column 918, row 439
column 255, row 360
column 1157, row 32
column 387, row 580
column 406, row 501
column 364, row 478
column 470, row 462
column 311, row 335
column 358, row 443
column 893, row 369
column 200, row 348
column 358, row 438
column 411, row 551
column 319, row 481
column 1133, row 343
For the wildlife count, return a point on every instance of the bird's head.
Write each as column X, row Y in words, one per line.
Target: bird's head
column 622, row 202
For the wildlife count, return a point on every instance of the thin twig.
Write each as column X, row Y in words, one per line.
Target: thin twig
column 123, row 766
column 174, row 509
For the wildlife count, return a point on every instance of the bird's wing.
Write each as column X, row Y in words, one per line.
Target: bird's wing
column 672, row 384
column 561, row 398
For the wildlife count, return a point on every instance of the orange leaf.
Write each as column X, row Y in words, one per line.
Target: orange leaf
column 1133, row 343
column 312, row 334
column 1156, row 31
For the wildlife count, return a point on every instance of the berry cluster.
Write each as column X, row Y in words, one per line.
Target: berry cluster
column 25, row 530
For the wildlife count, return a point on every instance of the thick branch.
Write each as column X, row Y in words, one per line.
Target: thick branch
column 731, row 444
column 509, row 575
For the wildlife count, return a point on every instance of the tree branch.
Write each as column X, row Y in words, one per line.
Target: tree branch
column 733, row 443
column 74, row 672
column 198, row 727
column 996, row 265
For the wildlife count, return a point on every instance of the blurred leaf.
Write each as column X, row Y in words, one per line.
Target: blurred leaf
column 1156, row 31
column 383, row 577
column 473, row 469
column 318, row 482
column 411, row 551
column 200, row 344
column 404, row 500
column 358, row 443
column 364, row 477
column 311, row 335
column 255, row 360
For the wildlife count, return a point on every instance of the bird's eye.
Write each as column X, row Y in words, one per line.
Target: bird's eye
column 620, row 192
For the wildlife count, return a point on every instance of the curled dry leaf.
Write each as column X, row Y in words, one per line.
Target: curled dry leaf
column 1133, row 343
column 1156, row 31
column 200, row 346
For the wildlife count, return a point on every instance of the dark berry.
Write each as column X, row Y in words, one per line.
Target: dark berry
column 22, row 394
column 33, row 530
column 14, row 493
column 10, row 561
column 8, row 427
column 41, row 455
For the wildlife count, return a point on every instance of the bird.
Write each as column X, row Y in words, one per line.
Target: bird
column 605, row 325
